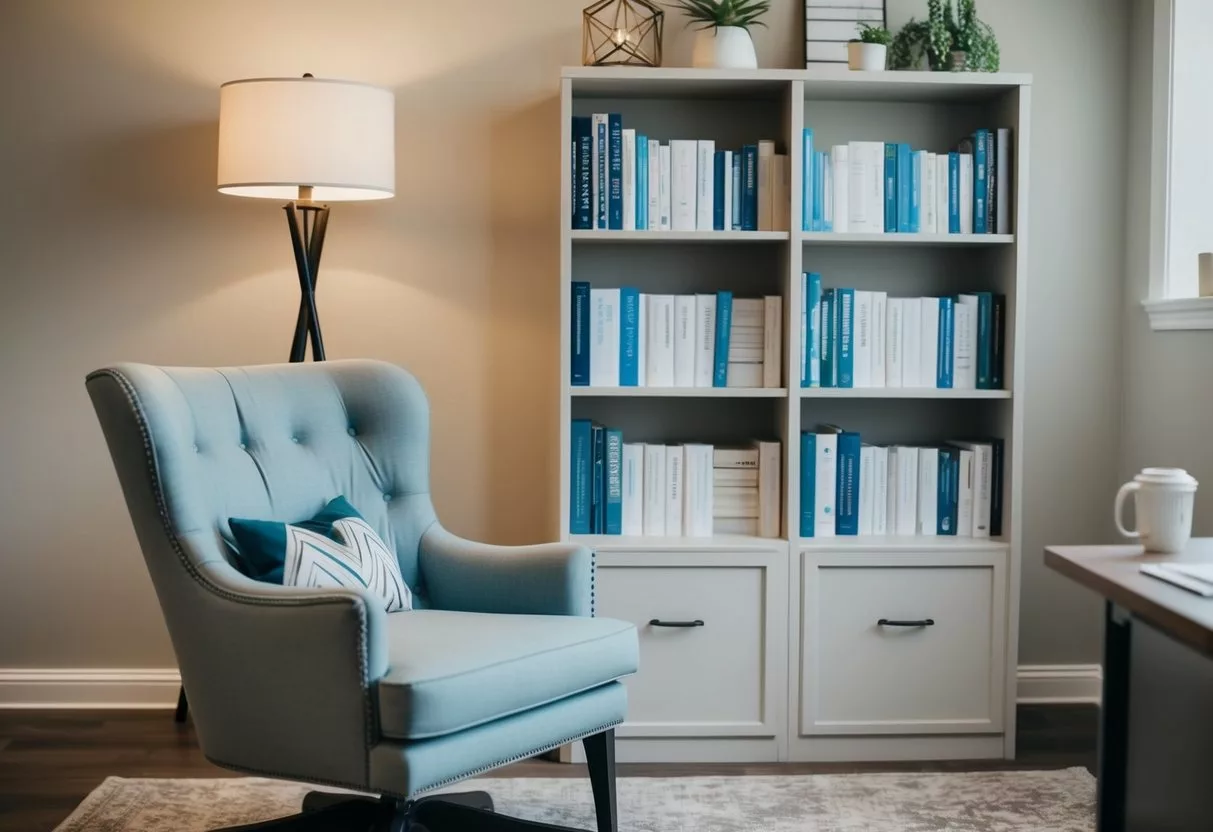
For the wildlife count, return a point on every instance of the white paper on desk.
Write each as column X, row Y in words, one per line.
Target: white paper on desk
column 1202, row 572
column 1164, row 572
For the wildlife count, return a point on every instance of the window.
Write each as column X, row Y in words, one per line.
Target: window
column 1181, row 174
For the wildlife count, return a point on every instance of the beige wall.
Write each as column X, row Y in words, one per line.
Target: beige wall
column 116, row 247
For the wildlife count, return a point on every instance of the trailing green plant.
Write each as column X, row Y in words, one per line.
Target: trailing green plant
column 945, row 30
column 873, row 34
column 714, row 13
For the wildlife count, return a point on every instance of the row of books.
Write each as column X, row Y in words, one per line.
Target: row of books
column 856, row 338
column 691, row 490
column 625, row 181
column 848, row 487
column 625, row 338
column 885, row 187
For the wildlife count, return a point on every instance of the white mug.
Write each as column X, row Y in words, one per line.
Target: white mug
column 1164, row 498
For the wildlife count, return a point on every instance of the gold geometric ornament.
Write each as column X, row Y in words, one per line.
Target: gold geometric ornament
column 626, row 32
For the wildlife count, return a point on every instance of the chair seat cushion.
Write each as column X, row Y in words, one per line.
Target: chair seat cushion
column 448, row 671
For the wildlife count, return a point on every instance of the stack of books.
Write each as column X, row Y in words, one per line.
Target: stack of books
column 620, row 488
column 624, row 338
column 624, row 181
column 889, row 188
column 854, row 338
column 848, row 487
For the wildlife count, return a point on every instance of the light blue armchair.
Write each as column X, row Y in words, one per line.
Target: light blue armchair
column 502, row 659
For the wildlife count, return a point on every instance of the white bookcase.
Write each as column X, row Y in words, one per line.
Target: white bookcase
column 790, row 664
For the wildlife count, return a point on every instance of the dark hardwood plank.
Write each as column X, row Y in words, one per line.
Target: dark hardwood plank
column 49, row 760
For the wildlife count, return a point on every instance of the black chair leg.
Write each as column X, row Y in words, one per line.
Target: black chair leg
column 183, row 706
column 600, row 757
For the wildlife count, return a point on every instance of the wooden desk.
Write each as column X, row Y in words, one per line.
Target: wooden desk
column 1156, row 732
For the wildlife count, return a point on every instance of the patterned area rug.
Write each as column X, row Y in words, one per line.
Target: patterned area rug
column 1012, row 801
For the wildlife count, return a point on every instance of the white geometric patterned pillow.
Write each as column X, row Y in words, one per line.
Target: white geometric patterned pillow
column 358, row 558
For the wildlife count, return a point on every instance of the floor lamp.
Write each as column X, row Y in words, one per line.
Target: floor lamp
column 309, row 141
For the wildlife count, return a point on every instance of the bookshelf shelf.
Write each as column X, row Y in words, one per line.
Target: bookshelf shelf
column 829, row 238
column 689, row 545
column 680, row 392
column 679, row 236
column 892, row 543
column 898, row 393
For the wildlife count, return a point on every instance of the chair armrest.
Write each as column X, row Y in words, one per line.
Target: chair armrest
column 547, row 579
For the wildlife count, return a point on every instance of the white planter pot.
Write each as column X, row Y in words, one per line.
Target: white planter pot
column 724, row 47
column 866, row 57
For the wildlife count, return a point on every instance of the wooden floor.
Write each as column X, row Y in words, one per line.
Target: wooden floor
column 49, row 760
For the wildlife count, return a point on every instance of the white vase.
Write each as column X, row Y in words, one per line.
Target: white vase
column 866, row 57
column 724, row 47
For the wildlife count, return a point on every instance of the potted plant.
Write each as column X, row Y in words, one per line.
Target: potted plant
column 946, row 40
column 723, row 40
column 867, row 53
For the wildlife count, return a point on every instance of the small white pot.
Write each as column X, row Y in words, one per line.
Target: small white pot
column 724, row 47
column 866, row 57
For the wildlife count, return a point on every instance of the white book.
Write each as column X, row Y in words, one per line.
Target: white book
column 880, row 490
column 769, row 491
column 929, row 342
column 629, row 179
column 732, row 501
column 597, row 166
column 697, row 490
column 927, row 210
column 633, row 489
column 728, row 190
column 737, row 477
column 735, row 525
column 654, row 490
column 983, row 485
column 824, row 505
column 865, row 187
column 746, row 458
column 664, row 196
column 840, row 173
column 705, row 179
column 966, row 193
column 642, row 342
column 862, row 335
column 964, row 342
column 604, row 337
column 911, row 341
column 942, row 195
column 772, row 341
column 928, row 491
column 654, row 185
column 918, row 161
column 684, row 182
column 880, row 304
column 766, row 181
column 894, row 340
column 705, row 339
column 891, row 492
column 907, row 490
column 659, row 349
column 1002, row 181
column 685, row 342
column 674, row 463
column 867, row 489
column 964, row 496
column 739, row 374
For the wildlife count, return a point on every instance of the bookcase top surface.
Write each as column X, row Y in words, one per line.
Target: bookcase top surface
column 819, row 84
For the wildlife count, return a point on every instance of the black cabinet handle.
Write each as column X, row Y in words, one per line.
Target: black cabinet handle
column 892, row 622
column 657, row 622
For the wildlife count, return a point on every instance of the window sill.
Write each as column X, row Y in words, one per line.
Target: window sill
column 1179, row 313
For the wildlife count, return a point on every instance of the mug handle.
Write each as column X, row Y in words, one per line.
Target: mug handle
column 1120, row 503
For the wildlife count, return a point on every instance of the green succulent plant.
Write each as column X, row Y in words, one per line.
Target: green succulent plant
column 874, row 34
column 713, row 13
column 945, row 30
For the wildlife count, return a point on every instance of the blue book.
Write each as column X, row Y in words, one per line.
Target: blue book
column 819, row 192
column 808, row 482
column 724, row 323
column 845, row 326
column 615, row 172
column 947, row 501
column 749, row 187
column 642, row 183
column 583, row 147
column 947, row 340
column 996, row 486
column 827, row 341
column 736, row 174
column 810, row 370
column 953, row 193
column 598, row 472
column 917, row 172
column 579, row 363
column 806, row 188
column 981, row 207
column 890, row 187
column 629, row 337
column 997, row 325
column 846, row 501
column 905, row 184
column 580, row 473
column 985, row 321
column 718, row 174
column 991, row 184
column 601, row 174
column 614, row 482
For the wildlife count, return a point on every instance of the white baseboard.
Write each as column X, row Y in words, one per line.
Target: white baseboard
column 120, row 689
column 88, row 688
column 1056, row 684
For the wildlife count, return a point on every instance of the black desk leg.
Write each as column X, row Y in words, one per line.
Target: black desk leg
column 1114, row 722
column 183, row 706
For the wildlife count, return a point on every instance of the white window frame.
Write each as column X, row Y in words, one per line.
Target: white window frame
column 1166, row 311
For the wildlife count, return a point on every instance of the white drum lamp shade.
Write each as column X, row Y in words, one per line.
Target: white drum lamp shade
column 279, row 134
